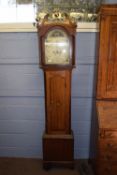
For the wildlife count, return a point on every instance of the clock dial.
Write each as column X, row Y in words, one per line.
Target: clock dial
column 57, row 47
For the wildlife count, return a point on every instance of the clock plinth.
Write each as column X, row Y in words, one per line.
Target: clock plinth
column 58, row 150
column 57, row 59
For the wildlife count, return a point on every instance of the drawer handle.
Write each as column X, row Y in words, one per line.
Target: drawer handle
column 58, row 104
column 110, row 145
column 108, row 169
column 108, row 157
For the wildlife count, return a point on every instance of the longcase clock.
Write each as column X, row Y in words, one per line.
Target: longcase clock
column 57, row 59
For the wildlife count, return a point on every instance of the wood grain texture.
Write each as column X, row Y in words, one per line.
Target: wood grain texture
column 57, row 93
column 106, row 102
column 107, row 83
column 107, row 110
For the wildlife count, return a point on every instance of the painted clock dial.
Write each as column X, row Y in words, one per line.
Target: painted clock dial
column 57, row 47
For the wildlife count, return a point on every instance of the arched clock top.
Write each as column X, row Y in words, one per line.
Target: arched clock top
column 62, row 20
column 57, row 43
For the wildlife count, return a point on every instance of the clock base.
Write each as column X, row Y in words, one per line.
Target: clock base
column 58, row 150
column 49, row 164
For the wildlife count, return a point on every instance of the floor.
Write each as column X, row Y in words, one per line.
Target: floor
column 20, row 166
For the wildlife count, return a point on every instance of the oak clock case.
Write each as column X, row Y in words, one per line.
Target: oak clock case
column 57, row 59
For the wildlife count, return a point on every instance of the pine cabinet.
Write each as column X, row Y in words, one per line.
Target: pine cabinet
column 106, row 98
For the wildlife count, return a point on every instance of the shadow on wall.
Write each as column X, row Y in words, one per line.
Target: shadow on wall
column 94, row 122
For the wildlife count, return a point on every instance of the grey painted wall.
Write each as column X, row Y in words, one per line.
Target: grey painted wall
column 110, row 1
column 22, row 94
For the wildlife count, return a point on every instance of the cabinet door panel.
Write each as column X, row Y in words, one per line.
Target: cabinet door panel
column 107, row 77
column 58, row 101
column 112, row 59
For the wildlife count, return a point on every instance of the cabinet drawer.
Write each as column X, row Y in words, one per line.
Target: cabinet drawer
column 108, row 144
column 107, row 169
column 108, row 134
column 108, row 156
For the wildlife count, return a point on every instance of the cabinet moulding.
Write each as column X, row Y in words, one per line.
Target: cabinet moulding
column 30, row 27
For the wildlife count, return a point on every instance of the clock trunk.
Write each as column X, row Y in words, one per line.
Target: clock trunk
column 57, row 92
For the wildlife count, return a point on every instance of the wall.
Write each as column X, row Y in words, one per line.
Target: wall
column 111, row 1
column 22, row 94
